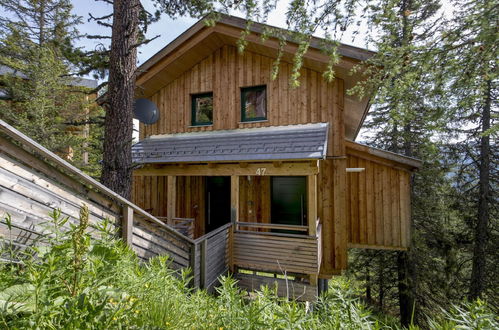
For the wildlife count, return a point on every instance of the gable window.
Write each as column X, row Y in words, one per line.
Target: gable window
column 202, row 109
column 254, row 103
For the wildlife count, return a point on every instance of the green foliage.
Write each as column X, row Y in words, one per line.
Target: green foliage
column 38, row 57
column 80, row 282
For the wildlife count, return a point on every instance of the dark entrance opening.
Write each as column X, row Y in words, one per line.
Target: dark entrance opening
column 289, row 200
column 217, row 202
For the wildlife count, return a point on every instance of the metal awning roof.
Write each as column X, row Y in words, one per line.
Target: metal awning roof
column 307, row 141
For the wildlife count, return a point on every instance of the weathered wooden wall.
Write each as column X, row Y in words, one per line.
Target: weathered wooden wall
column 30, row 189
column 150, row 194
column 378, row 204
column 225, row 71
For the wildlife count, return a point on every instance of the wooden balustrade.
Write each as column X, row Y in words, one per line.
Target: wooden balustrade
column 275, row 251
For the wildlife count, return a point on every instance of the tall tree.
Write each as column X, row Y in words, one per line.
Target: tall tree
column 117, row 170
column 470, row 59
column 129, row 24
column 37, row 56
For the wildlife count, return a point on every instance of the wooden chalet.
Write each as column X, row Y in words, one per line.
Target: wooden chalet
column 278, row 166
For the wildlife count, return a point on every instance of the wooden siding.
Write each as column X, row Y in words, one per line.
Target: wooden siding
column 331, row 203
column 378, row 204
column 225, row 71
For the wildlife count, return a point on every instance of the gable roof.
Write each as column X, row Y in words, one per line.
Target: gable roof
column 307, row 141
column 200, row 40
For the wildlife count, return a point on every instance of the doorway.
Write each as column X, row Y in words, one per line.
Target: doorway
column 217, row 202
column 289, row 200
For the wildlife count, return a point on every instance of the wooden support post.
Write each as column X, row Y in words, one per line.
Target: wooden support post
column 313, row 279
column 312, row 204
column 234, row 198
column 171, row 198
column 127, row 225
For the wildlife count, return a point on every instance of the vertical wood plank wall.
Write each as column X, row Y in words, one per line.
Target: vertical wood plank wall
column 378, row 204
column 225, row 71
column 254, row 199
column 150, row 194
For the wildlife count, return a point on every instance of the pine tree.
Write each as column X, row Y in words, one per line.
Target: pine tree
column 129, row 23
column 38, row 56
column 470, row 56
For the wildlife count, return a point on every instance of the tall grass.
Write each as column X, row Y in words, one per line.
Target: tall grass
column 76, row 282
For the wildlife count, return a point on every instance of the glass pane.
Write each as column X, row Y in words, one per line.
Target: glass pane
column 254, row 105
column 204, row 109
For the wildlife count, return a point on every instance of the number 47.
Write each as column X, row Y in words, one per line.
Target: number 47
column 261, row 171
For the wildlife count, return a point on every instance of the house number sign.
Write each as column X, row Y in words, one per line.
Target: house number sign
column 261, row 171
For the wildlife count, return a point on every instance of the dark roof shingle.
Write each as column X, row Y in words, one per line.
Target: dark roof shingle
column 307, row 141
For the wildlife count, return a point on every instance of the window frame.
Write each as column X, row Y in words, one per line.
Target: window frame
column 243, row 102
column 194, row 97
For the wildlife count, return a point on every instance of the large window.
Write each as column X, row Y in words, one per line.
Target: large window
column 254, row 103
column 202, row 109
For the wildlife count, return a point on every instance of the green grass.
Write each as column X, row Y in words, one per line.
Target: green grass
column 79, row 283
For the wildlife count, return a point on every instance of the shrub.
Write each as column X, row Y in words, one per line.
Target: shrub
column 79, row 282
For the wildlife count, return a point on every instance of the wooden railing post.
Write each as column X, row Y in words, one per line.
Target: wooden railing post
column 203, row 265
column 127, row 224
column 193, row 263
column 230, row 248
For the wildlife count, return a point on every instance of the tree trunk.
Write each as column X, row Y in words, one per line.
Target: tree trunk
column 477, row 284
column 117, row 158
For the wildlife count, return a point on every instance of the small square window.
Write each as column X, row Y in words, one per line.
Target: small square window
column 202, row 109
column 254, row 103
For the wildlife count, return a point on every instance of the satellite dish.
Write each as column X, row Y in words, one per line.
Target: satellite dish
column 145, row 111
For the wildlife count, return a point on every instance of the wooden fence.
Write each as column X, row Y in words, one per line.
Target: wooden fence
column 34, row 182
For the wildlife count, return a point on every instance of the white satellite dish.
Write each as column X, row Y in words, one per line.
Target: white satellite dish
column 145, row 111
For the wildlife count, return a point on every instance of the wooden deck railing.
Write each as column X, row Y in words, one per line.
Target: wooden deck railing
column 185, row 226
column 275, row 251
column 210, row 256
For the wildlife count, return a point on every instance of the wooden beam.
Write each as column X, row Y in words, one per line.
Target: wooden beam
column 253, row 169
column 312, row 204
column 171, row 198
column 127, row 225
